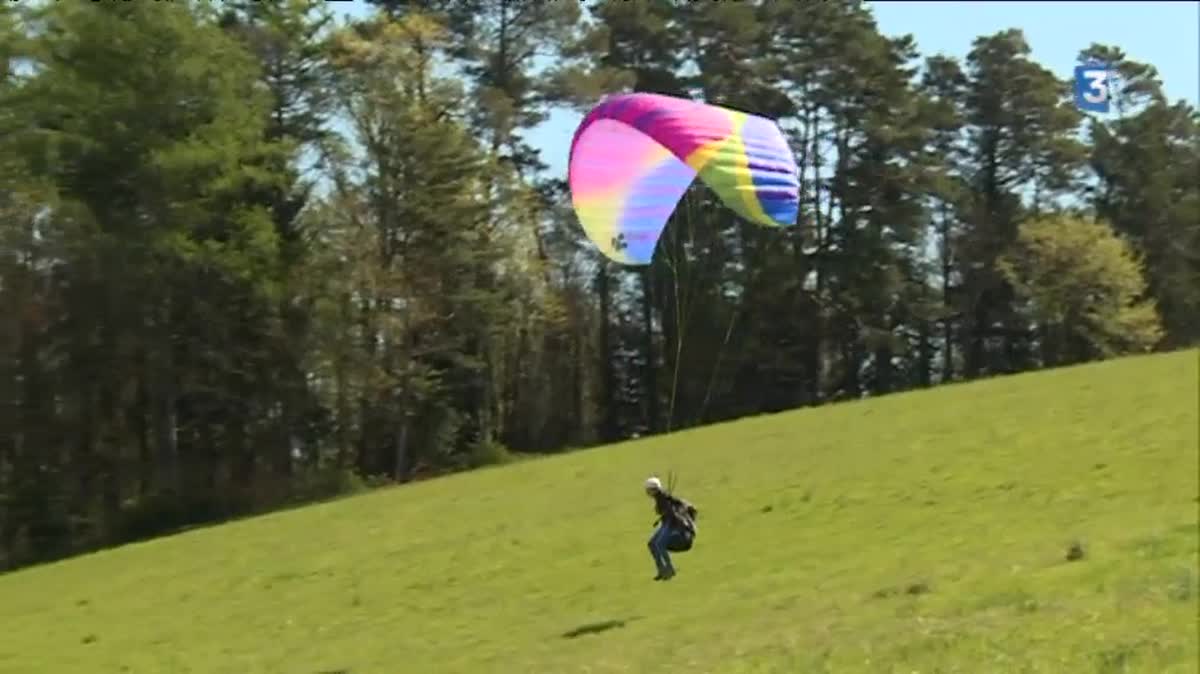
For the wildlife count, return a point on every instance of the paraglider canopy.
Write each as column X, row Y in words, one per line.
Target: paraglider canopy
column 634, row 155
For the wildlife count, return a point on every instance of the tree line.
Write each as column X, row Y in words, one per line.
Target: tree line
column 251, row 255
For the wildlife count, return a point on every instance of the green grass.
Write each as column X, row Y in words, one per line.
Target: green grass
column 924, row 533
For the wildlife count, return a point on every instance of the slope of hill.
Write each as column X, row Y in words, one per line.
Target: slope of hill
column 925, row 532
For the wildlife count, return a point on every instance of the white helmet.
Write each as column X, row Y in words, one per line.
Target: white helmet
column 653, row 484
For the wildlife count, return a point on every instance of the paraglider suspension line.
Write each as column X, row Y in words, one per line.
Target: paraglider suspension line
column 712, row 378
column 680, row 313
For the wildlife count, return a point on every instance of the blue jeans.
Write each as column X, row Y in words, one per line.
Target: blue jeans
column 658, row 549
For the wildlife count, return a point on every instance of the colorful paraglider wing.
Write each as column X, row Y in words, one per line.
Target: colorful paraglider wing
column 752, row 171
column 634, row 155
column 624, row 186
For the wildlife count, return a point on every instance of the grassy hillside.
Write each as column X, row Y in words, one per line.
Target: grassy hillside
column 915, row 533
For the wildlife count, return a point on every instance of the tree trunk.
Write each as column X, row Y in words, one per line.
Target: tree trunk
column 608, row 425
column 883, row 370
column 166, row 422
column 401, row 466
column 975, row 335
column 650, row 371
column 924, row 356
column 947, row 300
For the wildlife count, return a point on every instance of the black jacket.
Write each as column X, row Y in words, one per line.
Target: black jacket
column 675, row 511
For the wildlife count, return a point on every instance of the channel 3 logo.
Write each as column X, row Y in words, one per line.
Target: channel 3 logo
column 1095, row 86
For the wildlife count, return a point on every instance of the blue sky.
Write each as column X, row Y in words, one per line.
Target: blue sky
column 1164, row 34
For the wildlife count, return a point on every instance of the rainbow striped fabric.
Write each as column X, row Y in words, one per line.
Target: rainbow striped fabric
column 634, row 155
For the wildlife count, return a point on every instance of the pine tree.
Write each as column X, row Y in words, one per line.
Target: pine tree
column 1020, row 126
column 157, row 258
column 1147, row 162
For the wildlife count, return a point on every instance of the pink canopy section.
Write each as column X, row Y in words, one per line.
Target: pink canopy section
column 634, row 155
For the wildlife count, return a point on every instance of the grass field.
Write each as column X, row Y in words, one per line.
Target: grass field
column 925, row 532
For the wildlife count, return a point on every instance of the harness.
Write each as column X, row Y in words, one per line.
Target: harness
column 680, row 516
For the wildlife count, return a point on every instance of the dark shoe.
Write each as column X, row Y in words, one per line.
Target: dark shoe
column 668, row 575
